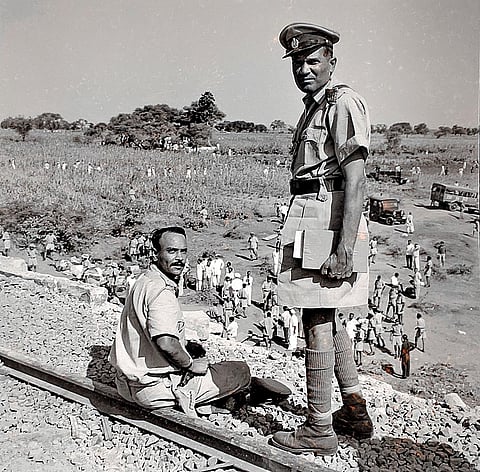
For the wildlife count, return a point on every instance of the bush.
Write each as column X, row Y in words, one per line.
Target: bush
column 234, row 233
column 394, row 250
column 460, row 269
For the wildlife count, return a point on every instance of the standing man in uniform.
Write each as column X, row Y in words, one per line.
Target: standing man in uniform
column 329, row 150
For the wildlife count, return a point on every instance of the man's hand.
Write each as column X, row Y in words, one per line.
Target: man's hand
column 340, row 264
column 199, row 366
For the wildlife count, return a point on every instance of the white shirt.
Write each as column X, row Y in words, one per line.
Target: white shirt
column 237, row 284
column 294, row 325
column 232, row 330
column 286, row 316
column 350, row 328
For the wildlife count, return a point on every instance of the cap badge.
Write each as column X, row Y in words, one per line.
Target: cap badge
column 294, row 43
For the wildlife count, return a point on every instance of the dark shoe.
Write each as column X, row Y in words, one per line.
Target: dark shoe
column 353, row 419
column 321, row 440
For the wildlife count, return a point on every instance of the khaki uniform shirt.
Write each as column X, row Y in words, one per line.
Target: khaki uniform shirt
column 151, row 310
column 332, row 134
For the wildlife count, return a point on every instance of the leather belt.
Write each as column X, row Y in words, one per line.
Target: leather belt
column 304, row 186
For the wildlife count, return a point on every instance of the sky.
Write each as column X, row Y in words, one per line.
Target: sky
column 412, row 60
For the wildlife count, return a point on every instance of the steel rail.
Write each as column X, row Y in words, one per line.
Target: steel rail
column 236, row 452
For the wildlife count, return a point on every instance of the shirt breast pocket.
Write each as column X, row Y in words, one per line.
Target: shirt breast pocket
column 315, row 135
column 313, row 139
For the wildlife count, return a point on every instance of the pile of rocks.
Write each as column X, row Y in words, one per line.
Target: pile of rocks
column 411, row 433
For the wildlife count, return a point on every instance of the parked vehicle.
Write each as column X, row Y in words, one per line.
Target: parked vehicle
column 452, row 197
column 387, row 175
column 386, row 210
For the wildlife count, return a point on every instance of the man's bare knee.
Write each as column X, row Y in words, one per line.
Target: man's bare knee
column 318, row 327
column 320, row 337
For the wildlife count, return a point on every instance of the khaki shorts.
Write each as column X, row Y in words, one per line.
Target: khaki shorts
column 221, row 380
column 308, row 288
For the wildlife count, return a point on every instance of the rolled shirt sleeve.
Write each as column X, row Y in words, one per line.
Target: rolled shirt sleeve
column 164, row 315
column 151, row 309
column 350, row 126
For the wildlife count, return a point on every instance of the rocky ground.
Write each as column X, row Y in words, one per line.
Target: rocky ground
column 42, row 432
column 434, row 433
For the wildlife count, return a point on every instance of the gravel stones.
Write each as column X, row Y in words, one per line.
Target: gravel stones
column 454, row 401
column 411, row 433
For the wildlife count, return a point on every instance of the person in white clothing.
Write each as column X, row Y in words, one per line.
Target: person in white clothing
column 286, row 316
column 351, row 326
column 218, row 266
column 200, row 273
column 410, row 226
column 232, row 329
column 293, row 334
column 416, row 257
column 248, row 280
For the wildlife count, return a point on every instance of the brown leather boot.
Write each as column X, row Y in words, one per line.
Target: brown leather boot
column 353, row 419
column 321, row 440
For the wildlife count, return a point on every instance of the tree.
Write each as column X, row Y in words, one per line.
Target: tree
column 80, row 124
column 402, row 127
column 50, row 121
column 20, row 124
column 458, row 130
column 442, row 131
column 96, row 130
column 380, row 128
column 145, row 125
column 204, row 111
column 278, row 125
column 259, row 128
column 421, row 128
column 198, row 119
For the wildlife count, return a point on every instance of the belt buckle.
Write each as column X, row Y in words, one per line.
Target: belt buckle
column 322, row 194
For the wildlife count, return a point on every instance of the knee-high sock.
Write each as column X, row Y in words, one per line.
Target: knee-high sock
column 319, row 367
column 345, row 369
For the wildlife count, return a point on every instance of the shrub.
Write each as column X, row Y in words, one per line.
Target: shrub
column 460, row 269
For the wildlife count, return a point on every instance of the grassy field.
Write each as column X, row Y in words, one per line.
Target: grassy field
column 93, row 213
column 83, row 206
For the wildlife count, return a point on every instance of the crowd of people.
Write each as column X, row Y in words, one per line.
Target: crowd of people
column 387, row 304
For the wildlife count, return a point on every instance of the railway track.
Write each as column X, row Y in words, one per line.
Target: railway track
column 234, row 452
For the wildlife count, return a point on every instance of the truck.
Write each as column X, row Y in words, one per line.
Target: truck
column 386, row 210
column 387, row 175
column 453, row 197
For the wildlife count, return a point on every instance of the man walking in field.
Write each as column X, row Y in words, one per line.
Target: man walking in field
column 253, row 246
column 378, row 289
column 409, row 223
column 420, row 332
column 330, row 146
column 32, row 257
column 50, row 240
column 441, row 253
column 204, row 216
